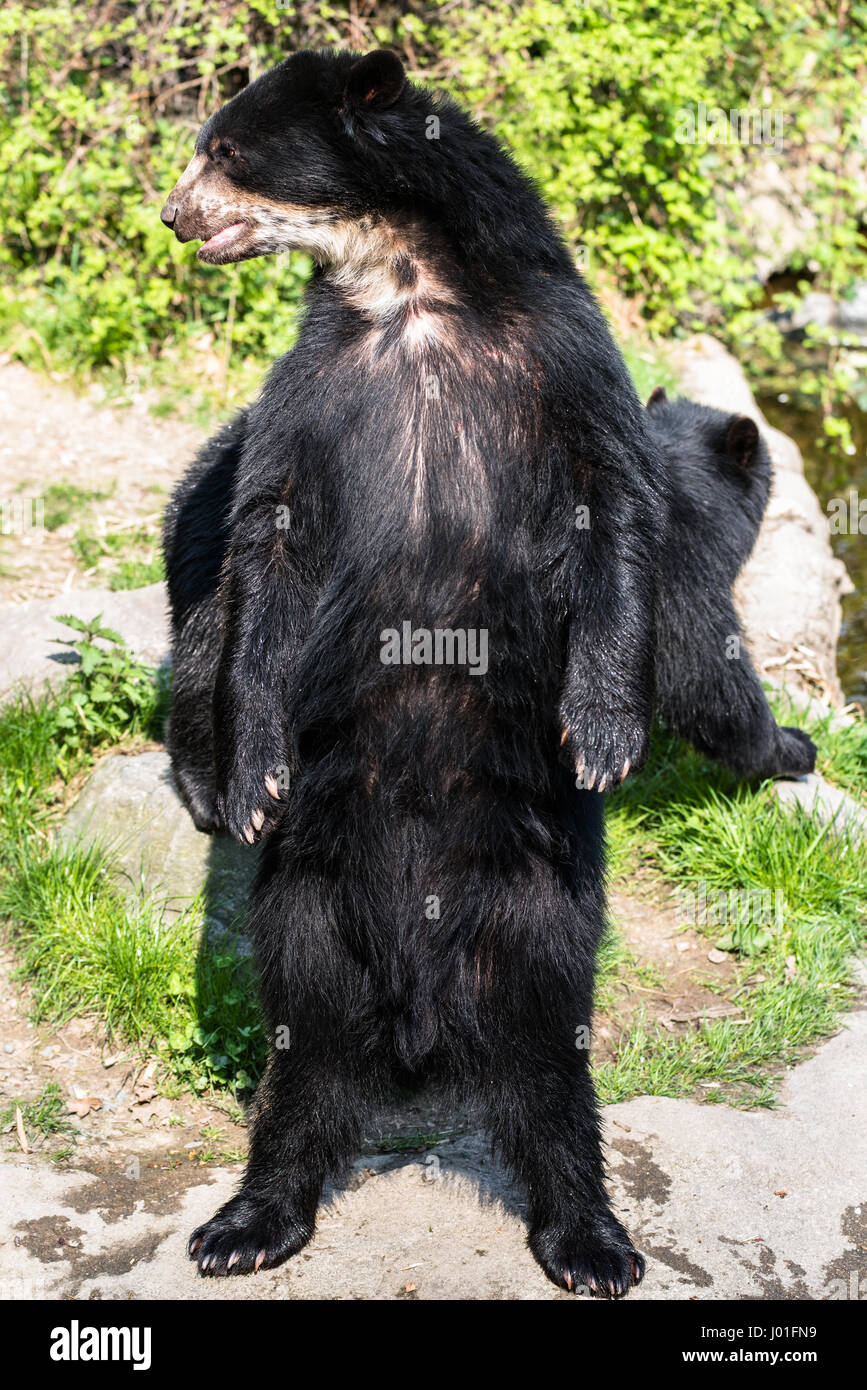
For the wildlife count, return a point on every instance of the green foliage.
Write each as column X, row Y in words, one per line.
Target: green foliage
column 100, row 110
column 217, row 1039
column 97, row 121
column 110, row 694
column 46, row 740
column 132, row 555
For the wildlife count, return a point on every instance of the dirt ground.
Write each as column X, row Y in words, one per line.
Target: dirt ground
column 51, row 437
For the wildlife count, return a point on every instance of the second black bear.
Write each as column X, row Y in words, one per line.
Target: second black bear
column 718, row 477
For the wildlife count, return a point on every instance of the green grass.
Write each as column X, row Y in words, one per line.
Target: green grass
column 617, row 964
column 89, row 950
column 691, row 823
column 842, row 755
column 64, row 500
column 45, row 1114
column 80, row 940
column 44, row 1119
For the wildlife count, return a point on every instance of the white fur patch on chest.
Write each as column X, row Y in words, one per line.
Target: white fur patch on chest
column 381, row 276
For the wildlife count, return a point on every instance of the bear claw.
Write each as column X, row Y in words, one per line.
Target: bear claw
column 243, row 1238
column 604, row 1264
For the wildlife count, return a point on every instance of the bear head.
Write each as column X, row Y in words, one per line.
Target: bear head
column 291, row 162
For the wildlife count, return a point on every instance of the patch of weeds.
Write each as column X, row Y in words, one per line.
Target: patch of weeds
column 137, row 574
column 110, row 696
column 230, row 1155
column 231, row 1108
column 132, row 557
column 217, row 1040
column 44, row 1117
column 63, row 501
column 216, row 1149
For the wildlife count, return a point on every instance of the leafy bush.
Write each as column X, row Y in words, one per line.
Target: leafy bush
column 100, row 110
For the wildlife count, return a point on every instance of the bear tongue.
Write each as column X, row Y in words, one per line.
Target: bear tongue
column 226, row 234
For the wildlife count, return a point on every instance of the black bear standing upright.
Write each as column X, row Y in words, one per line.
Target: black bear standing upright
column 717, row 480
column 395, row 645
column 431, row 893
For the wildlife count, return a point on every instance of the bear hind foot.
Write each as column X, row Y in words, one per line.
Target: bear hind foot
column 244, row 1237
column 599, row 1259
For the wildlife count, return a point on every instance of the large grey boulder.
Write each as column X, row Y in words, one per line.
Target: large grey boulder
column 129, row 804
column 768, row 199
column 30, row 655
column 828, row 804
column 816, row 310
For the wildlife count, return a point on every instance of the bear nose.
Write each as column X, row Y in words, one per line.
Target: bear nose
column 169, row 213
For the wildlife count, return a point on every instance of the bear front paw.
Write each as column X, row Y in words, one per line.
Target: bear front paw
column 251, row 801
column 797, row 753
column 602, row 746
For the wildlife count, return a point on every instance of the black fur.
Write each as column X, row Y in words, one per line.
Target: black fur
column 718, row 479
column 421, row 457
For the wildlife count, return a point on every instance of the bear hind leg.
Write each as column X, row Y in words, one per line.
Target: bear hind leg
column 308, row 1118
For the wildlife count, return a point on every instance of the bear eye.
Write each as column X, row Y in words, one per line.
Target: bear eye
column 228, row 150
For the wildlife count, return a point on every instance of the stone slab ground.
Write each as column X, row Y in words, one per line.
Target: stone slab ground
column 724, row 1203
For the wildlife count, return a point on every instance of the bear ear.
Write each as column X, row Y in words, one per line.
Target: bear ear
column 742, row 441
column 657, row 397
column 374, row 82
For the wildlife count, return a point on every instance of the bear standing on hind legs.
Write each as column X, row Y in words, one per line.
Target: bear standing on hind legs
column 418, row 459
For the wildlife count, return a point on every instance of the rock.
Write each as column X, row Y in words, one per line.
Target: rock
column 130, row 804
column 789, row 592
column 771, row 215
column 781, row 224
column 29, row 657
column 816, row 310
column 851, row 312
column 831, row 806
